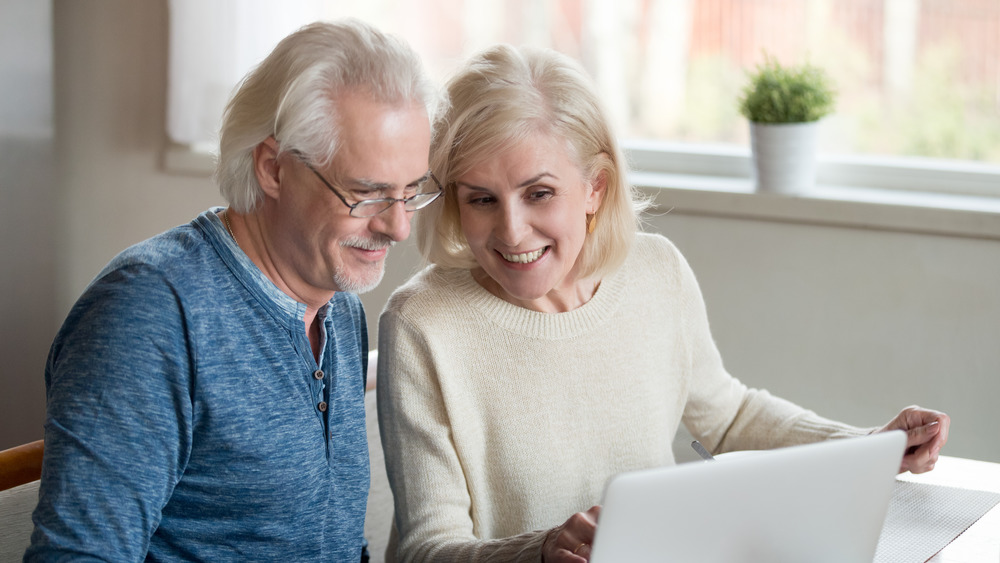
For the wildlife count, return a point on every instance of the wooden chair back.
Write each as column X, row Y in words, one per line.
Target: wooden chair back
column 21, row 464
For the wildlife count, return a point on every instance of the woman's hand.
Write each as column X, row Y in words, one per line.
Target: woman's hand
column 570, row 543
column 926, row 433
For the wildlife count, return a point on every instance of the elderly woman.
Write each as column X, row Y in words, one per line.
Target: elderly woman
column 550, row 344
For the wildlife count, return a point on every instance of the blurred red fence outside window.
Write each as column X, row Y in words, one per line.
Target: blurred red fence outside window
column 915, row 78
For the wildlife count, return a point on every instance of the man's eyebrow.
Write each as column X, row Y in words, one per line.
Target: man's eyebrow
column 385, row 186
column 371, row 185
column 422, row 179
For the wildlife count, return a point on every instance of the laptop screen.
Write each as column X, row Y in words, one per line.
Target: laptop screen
column 822, row 502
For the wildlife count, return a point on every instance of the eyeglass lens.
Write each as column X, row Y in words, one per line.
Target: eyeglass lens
column 429, row 190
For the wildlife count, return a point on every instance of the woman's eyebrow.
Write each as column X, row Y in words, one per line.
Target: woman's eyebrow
column 471, row 187
column 523, row 184
column 534, row 179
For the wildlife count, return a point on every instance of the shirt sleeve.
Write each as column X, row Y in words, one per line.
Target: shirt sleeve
column 432, row 502
column 119, row 416
column 727, row 415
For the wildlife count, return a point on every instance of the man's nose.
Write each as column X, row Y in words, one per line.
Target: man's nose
column 393, row 222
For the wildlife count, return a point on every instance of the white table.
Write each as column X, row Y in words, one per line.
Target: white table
column 981, row 542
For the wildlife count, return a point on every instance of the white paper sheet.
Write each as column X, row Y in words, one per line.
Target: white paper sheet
column 924, row 518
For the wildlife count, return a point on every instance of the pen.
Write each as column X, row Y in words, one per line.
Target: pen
column 702, row 451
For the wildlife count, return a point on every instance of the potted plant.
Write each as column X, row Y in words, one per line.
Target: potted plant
column 784, row 105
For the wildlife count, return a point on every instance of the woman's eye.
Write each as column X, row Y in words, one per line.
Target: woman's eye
column 536, row 195
column 481, row 200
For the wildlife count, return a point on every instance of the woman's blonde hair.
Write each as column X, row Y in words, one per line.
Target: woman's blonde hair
column 502, row 96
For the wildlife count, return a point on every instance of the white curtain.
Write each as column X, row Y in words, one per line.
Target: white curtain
column 213, row 44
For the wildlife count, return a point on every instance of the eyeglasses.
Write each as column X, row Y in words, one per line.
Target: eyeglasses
column 372, row 207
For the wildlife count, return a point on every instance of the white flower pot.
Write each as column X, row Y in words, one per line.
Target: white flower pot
column 784, row 156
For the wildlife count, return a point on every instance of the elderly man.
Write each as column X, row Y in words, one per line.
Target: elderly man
column 205, row 394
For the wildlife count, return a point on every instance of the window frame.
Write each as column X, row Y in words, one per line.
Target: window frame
column 851, row 192
column 903, row 174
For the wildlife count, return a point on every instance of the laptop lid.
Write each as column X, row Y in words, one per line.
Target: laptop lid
column 821, row 503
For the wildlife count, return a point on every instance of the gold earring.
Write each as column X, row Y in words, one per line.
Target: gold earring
column 591, row 222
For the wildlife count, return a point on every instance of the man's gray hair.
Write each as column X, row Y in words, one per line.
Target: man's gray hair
column 292, row 95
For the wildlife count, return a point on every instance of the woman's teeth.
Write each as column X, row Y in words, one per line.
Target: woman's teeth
column 524, row 257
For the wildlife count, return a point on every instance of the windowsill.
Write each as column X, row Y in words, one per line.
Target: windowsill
column 732, row 196
column 182, row 160
column 891, row 210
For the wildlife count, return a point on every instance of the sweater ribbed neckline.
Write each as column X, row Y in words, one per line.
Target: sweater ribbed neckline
column 534, row 324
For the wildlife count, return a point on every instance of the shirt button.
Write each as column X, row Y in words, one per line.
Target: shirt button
column 318, row 374
column 321, row 406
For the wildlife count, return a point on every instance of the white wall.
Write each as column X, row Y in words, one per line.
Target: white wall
column 28, row 222
column 68, row 204
column 853, row 323
column 111, row 68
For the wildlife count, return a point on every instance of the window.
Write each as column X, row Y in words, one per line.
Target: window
column 212, row 46
column 918, row 80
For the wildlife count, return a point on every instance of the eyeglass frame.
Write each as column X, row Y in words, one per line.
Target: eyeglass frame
column 390, row 201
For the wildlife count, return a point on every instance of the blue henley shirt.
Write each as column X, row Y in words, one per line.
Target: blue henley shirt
column 189, row 421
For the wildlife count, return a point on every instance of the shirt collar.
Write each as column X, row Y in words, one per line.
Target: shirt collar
column 287, row 310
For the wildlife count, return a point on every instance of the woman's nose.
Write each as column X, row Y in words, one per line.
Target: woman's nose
column 512, row 226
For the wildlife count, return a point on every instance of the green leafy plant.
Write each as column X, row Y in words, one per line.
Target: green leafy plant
column 792, row 94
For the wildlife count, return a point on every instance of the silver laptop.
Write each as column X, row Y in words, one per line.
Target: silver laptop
column 818, row 503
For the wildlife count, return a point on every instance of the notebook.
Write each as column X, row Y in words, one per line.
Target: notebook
column 817, row 503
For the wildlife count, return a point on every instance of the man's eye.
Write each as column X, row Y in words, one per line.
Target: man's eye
column 365, row 195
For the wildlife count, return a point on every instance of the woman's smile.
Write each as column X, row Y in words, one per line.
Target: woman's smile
column 524, row 257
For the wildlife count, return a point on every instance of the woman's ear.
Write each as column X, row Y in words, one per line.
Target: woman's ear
column 598, row 186
column 266, row 168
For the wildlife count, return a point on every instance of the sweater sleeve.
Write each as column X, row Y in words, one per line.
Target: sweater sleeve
column 722, row 412
column 432, row 502
column 117, row 433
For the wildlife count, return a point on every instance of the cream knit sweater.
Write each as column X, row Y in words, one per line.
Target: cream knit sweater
column 499, row 422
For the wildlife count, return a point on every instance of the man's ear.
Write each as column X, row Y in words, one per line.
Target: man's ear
column 266, row 168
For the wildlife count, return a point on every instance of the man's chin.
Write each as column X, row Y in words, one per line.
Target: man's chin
column 359, row 283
